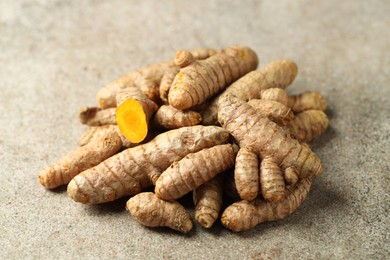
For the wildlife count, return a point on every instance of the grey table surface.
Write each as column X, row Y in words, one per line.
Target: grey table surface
column 55, row 55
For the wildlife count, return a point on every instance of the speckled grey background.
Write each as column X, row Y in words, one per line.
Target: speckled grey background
column 54, row 56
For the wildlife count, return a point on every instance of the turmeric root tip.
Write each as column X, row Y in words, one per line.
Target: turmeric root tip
column 244, row 215
column 80, row 159
column 153, row 212
column 208, row 201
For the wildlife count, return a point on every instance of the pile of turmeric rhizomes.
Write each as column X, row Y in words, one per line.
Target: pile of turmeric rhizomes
column 205, row 122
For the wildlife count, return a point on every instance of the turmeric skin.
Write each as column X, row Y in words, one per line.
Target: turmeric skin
column 208, row 201
column 166, row 82
column 272, row 180
column 244, row 215
column 305, row 126
column 133, row 169
column 274, row 110
column 80, row 159
column 95, row 132
column 277, row 74
column 151, row 211
column 268, row 141
column 305, row 101
column 146, row 79
column 291, row 175
column 181, row 61
column 200, row 80
column 308, row 125
column 95, row 116
column 194, row 170
column 168, row 117
column 246, row 174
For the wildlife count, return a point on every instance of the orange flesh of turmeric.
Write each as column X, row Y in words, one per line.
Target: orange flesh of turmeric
column 132, row 121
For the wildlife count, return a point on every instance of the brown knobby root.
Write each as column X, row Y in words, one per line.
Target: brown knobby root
column 95, row 132
column 203, row 53
column 291, row 175
column 274, row 110
column 204, row 78
column 151, row 211
column 168, row 117
column 208, row 201
column 305, row 126
column 186, row 57
column 147, row 79
column 246, row 174
column 133, row 113
column 80, row 159
column 183, row 58
column 193, row 170
column 277, row 74
column 267, row 140
column 308, row 125
column 96, row 116
column 306, row 101
column 133, row 169
column 272, row 180
column 166, row 83
column 181, row 61
column 277, row 94
column 244, row 215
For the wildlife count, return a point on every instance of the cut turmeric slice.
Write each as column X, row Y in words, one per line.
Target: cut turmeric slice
column 133, row 113
column 131, row 120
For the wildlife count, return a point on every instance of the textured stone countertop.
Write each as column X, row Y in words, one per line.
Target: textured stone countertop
column 56, row 54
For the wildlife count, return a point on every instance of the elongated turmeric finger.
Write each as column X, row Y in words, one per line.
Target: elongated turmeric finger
column 306, row 101
column 271, row 181
column 78, row 160
column 151, row 211
column 246, row 174
column 168, row 117
column 265, row 138
column 208, row 201
column 147, row 79
column 96, row 116
column 194, row 170
column 95, row 132
column 166, row 82
column 277, row 94
column 133, row 169
column 275, row 111
column 244, row 215
column 307, row 125
column 291, row 175
column 277, row 74
column 202, row 79
column 309, row 100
